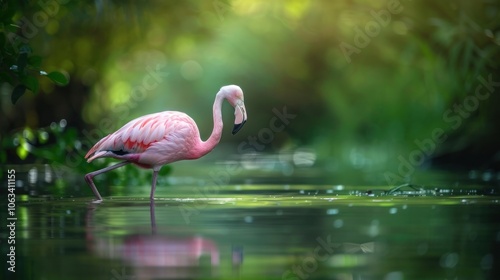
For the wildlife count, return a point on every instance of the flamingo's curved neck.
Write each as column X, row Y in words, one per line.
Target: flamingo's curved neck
column 213, row 140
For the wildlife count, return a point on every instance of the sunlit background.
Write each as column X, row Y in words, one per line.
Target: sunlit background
column 346, row 99
column 367, row 82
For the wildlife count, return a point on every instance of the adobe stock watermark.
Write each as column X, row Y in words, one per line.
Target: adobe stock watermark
column 11, row 220
column 454, row 117
column 252, row 145
column 29, row 28
column 151, row 80
column 310, row 263
column 221, row 8
column 363, row 37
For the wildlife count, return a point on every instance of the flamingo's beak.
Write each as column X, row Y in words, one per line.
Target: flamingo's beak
column 240, row 116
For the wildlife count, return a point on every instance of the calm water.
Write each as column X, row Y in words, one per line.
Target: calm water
column 252, row 230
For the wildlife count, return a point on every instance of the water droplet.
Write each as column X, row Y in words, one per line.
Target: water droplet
column 393, row 210
column 329, row 191
column 248, row 219
column 332, row 211
column 68, row 212
column 487, row 262
column 394, row 275
column 487, row 176
column 32, row 176
column 77, row 145
column 63, row 123
column 449, row 260
column 48, row 174
column 287, row 169
column 373, row 230
column 338, row 187
column 404, row 207
column 338, row 223
column 301, row 191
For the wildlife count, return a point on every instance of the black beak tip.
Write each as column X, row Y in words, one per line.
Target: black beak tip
column 237, row 127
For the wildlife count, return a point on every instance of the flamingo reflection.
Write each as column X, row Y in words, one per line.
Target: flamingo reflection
column 153, row 255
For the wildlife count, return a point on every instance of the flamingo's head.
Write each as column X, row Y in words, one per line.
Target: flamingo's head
column 234, row 95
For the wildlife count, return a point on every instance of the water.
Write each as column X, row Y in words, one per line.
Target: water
column 260, row 231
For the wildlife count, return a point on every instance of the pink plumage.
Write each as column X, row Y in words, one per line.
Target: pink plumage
column 154, row 140
column 150, row 140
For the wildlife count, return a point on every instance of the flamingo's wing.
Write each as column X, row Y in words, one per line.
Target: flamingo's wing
column 133, row 138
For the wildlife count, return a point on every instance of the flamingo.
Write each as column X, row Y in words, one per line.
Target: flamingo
column 154, row 140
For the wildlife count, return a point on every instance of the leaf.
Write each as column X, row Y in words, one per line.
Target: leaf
column 31, row 83
column 28, row 134
column 35, row 61
column 43, row 136
column 58, row 78
column 17, row 93
column 8, row 11
column 467, row 58
column 22, row 153
column 12, row 28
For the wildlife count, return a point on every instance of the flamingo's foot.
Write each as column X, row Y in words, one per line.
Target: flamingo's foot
column 97, row 201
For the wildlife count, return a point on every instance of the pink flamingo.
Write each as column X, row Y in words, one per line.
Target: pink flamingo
column 154, row 140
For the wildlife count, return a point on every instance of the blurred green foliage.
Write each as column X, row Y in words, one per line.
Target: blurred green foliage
column 409, row 64
column 19, row 67
column 54, row 144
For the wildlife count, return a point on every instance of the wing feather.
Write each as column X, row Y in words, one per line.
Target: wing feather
column 143, row 136
column 134, row 137
column 132, row 134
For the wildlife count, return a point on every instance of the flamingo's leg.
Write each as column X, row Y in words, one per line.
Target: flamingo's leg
column 91, row 175
column 153, row 218
column 153, row 184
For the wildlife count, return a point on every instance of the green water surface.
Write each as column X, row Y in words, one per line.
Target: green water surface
column 261, row 231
